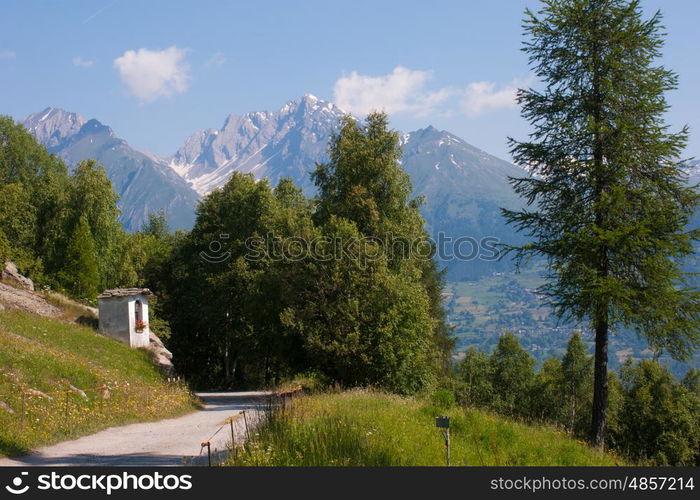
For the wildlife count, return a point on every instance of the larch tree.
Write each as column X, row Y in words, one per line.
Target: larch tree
column 607, row 199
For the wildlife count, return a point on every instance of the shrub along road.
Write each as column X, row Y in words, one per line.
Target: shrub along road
column 175, row 441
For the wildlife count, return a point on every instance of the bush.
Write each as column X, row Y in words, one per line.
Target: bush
column 443, row 399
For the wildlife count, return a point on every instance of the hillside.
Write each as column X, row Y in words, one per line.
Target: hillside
column 367, row 428
column 59, row 380
column 481, row 310
column 464, row 189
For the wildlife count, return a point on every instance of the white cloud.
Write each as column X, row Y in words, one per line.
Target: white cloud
column 480, row 97
column 82, row 63
column 216, row 60
column 150, row 74
column 7, row 54
column 405, row 90
column 401, row 90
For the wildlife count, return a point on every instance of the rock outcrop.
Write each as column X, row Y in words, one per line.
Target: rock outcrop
column 161, row 356
column 11, row 274
column 17, row 298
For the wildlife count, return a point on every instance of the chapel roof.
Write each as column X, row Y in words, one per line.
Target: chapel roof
column 124, row 292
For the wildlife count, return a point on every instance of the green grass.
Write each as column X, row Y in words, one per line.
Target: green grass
column 71, row 310
column 367, row 428
column 50, row 355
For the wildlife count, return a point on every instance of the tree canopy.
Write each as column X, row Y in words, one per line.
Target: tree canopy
column 269, row 283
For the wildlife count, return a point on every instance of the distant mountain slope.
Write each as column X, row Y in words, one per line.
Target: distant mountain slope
column 694, row 171
column 145, row 184
column 464, row 190
column 692, row 263
column 463, row 186
column 53, row 126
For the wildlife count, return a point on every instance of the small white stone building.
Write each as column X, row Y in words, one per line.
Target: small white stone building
column 124, row 315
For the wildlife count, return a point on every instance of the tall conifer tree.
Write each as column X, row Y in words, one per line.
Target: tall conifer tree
column 608, row 202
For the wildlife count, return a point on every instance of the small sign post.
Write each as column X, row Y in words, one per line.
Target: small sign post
column 444, row 423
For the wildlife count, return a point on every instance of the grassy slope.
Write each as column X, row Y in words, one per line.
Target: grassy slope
column 375, row 429
column 49, row 355
column 466, row 292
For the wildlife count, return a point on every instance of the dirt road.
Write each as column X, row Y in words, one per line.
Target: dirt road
column 175, row 441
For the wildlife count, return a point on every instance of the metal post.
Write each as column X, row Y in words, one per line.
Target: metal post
column 444, row 423
column 65, row 414
column 208, row 445
column 447, row 445
column 233, row 435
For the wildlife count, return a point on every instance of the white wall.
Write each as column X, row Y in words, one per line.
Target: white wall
column 138, row 339
column 114, row 318
column 118, row 320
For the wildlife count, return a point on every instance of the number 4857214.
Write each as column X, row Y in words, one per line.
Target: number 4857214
column 661, row 483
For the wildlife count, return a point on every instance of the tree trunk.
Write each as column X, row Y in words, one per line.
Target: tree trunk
column 600, row 319
column 572, row 414
column 226, row 364
column 600, row 384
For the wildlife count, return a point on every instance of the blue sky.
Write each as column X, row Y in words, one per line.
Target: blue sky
column 158, row 71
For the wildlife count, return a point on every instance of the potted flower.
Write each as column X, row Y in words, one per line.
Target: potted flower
column 140, row 326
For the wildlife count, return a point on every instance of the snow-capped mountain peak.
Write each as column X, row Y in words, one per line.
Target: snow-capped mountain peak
column 52, row 125
column 266, row 144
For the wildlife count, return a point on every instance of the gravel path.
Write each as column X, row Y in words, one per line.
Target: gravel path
column 175, row 441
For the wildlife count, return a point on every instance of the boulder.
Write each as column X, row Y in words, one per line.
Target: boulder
column 11, row 274
column 161, row 356
column 95, row 311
